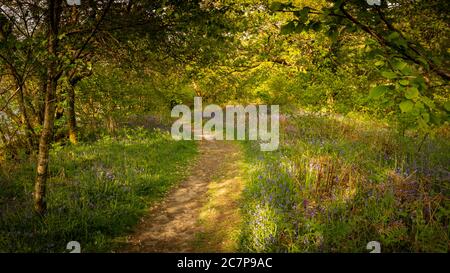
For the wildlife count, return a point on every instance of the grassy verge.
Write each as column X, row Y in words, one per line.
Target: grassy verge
column 336, row 184
column 96, row 193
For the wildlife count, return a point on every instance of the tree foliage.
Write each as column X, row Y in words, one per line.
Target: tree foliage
column 71, row 71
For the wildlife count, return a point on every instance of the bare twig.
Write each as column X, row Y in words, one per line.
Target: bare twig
column 9, row 100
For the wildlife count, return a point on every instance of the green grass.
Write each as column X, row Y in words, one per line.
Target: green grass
column 335, row 184
column 96, row 192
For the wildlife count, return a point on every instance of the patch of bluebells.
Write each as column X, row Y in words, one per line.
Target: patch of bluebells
column 275, row 189
column 262, row 233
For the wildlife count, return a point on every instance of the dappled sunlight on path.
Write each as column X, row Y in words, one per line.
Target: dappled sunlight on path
column 177, row 223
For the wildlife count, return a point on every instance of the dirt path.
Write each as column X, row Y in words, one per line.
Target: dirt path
column 201, row 214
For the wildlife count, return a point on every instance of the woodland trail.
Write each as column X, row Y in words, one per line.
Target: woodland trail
column 202, row 213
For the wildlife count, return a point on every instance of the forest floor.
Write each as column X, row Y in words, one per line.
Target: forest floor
column 201, row 214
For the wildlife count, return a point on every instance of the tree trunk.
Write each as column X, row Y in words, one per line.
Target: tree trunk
column 111, row 124
column 40, row 205
column 72, row 121
column 28, row 129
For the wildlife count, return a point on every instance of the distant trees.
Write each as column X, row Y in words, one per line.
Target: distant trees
column 48, row 47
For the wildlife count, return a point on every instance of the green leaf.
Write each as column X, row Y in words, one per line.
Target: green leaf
column 422, row 123
column 379, row 63
column 424, row 62
column 399, row 65
column 428, row 102
column 378, row 91
column 419, row 105
column 435, row 119
column 303, row 14
column 276, row 6
column 420, row 82
column 388, row 74
column 299, row 28
column 393, row 36
column 403, row 67
column 426, row 117
column 400, row 42
column 412, row 93
column 288, row 28
column 404, row 82
column 372, row 53
column 406, row 106
column 407, row 70
column 447, row 106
